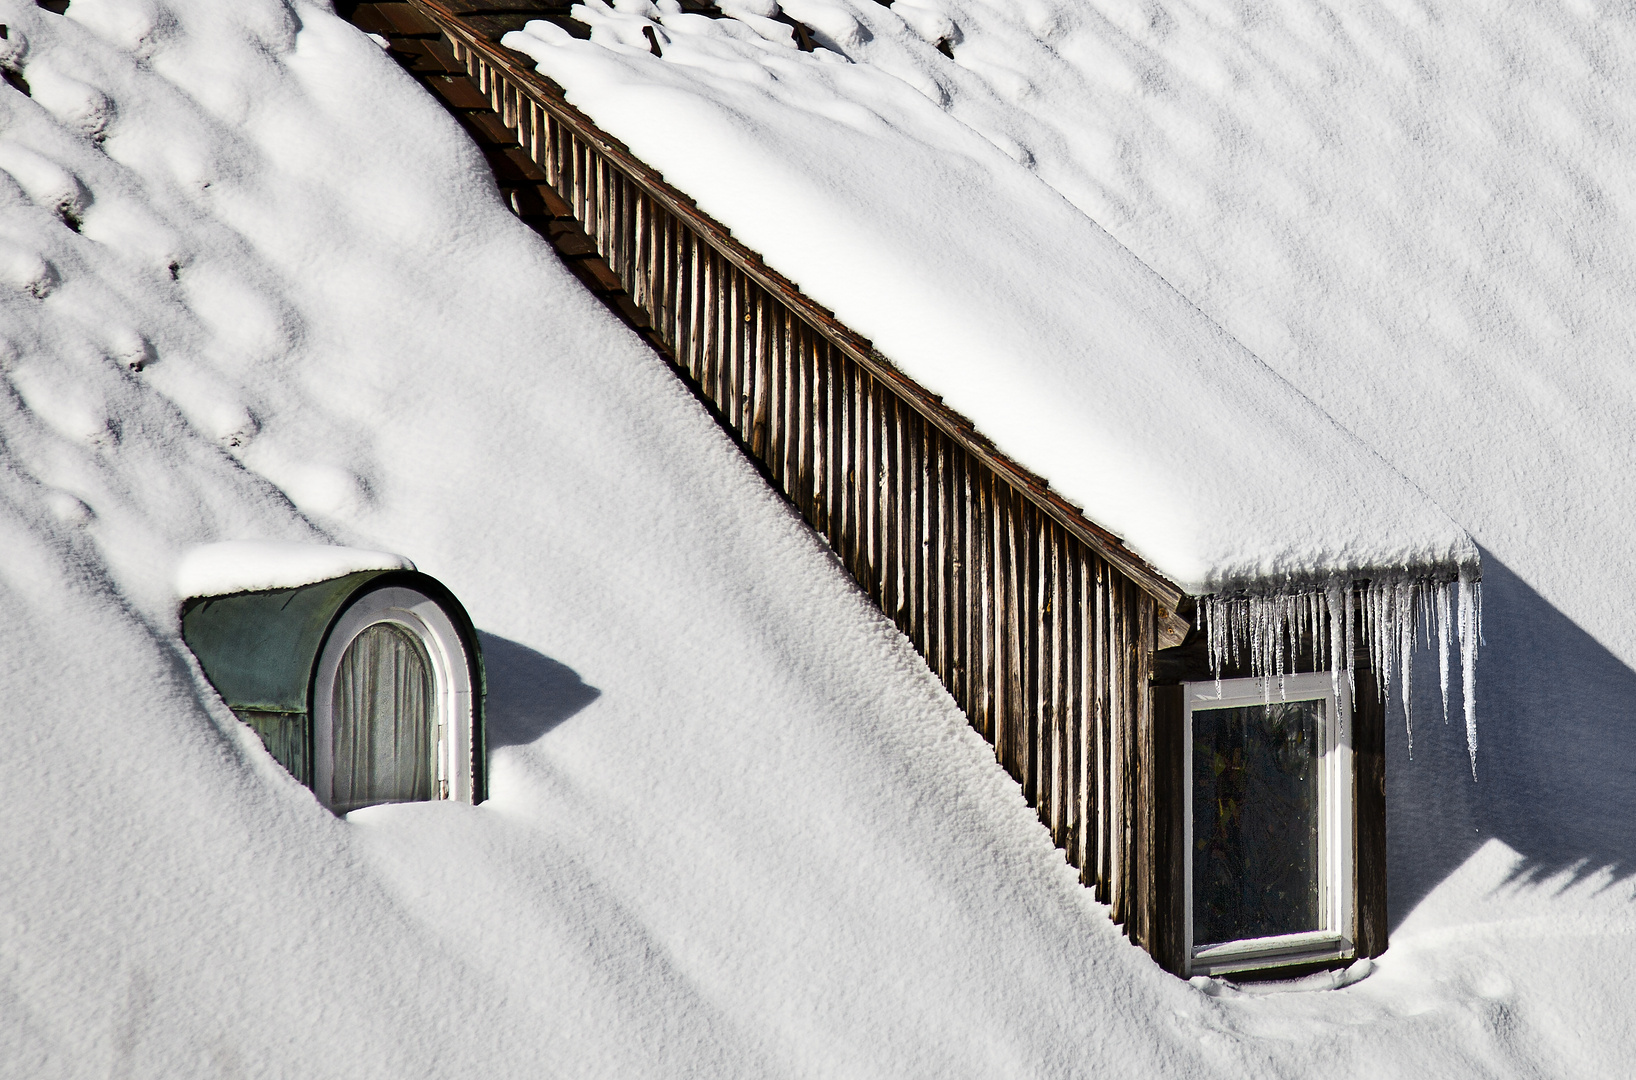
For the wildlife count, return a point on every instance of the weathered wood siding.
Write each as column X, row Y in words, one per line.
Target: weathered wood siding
column 1040, row 624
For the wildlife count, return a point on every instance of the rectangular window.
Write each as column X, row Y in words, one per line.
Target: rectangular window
column 1268, row 777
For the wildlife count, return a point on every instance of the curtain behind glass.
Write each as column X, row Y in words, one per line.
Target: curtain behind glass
column 383, row 724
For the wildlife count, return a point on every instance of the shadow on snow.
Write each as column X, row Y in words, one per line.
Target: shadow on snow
column 529, row 693
column 1556, row 758
column 1556, row 762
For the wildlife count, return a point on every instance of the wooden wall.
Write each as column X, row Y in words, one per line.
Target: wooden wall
column 1041, row 625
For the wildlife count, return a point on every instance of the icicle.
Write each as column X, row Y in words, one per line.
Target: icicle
column 1351, row 645
column 1471, row 606
column 1340, row 633
column 1443, row 644
column 1268, row 632
column 1403, row 629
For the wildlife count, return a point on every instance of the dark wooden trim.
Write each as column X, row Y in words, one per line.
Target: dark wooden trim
column 1369, row 809
column 1171, row 741
column 1190, row 661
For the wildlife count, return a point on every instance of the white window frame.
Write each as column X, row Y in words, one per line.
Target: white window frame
column 423, row 617
column 1336, row 808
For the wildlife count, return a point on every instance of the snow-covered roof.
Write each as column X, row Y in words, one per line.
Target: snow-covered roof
column 841, row 879
column 987, row 287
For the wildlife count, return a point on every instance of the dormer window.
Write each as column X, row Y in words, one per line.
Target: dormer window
column 1269, row 847
column 392, row 704
column 366, row 686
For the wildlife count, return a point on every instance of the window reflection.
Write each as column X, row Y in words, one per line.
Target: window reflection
column 1255, row 821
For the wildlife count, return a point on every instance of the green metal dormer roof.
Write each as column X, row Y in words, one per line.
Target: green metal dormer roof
column 260, row 649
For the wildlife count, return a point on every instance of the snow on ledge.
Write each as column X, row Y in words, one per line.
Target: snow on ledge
column 233, row 566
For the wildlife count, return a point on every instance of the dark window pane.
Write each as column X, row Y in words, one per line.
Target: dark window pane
column 1255, row 821
column 383, row 723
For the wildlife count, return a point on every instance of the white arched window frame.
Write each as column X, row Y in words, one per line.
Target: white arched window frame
column 426, row 620
column 1336, row 807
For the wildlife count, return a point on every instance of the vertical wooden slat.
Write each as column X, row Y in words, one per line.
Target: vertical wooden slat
column 793, row 330
column 916, row 490
column 1035, row 658
column 1118, row 797
column 840, row 458
column 1004, row 630
column 638, row 278
column 1075, row 691
column 584, row 203
column 619, row 233
column 986, row 665
column 1050, row 715
column 578, row 200
column 902, row 504
column 622, row 193
column 846, row 422
column 724, row 343
column 755, row 376
column 1099, row 714
column 1130, row 791
column 949, row 541
column 777, row 399
column 539, row 139
column 995, row 616
column 667, row 288
column 654, row 261
column 1051, row 555
column 1044, row 669
column 549, row 144
column 938, row 526
column 597, row 176
column 1145, row 788
column 887, row 507
column 1013, row 629
column 801, row 394
column 1026, row 693
column 732, row 372
column 685, row 337
column 713, row 352
column 698, row 308
column 900, row 508
column 863, row 466
column 814, row 392
column 520, row 107
column 1126, row 792
column 732, row 375
column 965, row 613
column 884, row 508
